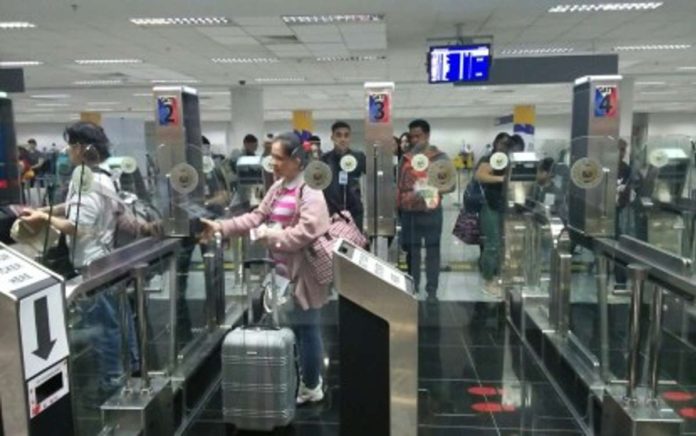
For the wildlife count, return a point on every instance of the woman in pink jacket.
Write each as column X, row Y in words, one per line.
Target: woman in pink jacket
column 290, row 217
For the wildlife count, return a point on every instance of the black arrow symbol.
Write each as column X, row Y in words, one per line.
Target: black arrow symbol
column 43, row 329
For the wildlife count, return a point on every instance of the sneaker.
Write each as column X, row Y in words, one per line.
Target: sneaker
column 306, row 395
column 493, row 289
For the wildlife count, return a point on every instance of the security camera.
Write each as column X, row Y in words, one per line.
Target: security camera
column 242, row 82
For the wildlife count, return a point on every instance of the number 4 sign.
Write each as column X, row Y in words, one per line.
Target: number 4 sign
column 606, row 101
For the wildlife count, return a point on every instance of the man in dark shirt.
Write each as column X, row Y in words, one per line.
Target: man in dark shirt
column 344, row 191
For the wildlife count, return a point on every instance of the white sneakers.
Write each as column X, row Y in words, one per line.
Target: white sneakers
column 493, row 288
column 306, row 395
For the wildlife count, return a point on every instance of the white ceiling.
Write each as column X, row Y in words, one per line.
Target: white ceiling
column 97, row 29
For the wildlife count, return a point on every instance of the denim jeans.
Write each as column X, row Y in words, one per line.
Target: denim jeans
column 102, row 319
column 305, row 324
column 418, row 228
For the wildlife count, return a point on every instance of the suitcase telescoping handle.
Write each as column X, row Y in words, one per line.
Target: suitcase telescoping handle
column 270, row 264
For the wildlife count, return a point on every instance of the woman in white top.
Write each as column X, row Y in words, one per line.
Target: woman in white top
column 88, row 220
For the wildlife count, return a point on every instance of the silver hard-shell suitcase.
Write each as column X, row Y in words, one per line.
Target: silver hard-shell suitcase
column 259, row 375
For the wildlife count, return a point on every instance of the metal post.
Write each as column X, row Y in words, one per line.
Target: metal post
column 141, row 299
column 603, row 302
column 220, row 303
column 655, row 342
column 125, row 349
column 638, row 274
column 209, row 280
column 564, row 267
column 173, row 315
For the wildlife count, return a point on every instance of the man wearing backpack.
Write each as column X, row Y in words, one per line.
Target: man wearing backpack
column 420, row 208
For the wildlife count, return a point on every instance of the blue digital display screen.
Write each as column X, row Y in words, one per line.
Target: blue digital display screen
column 459, row 63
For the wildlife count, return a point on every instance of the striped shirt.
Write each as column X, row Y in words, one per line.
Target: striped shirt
column 282, row 212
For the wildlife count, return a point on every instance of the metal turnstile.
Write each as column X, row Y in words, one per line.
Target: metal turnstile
column 520, row 179
column 380, row 196
column 594, row 156
column 35, row 394
column 378, row 337
column 179, row 158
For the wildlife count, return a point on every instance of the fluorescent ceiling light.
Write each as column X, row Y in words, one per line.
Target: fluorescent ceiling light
column 658, row 92
column 244, row 60
column 49, row 96
column 326, row 19
column 652, row 47
column 351, row 58
column 174, row 81
column 536, row 51
column 279, row 79
column 97, row 82
column 107, row 61
column 181, row 21
column 651, row 83
column 102, row 103
column 16, row 25
column 686, row 68
column 20, row 63
column 214, row 93
column 605, row 7
column 52, row 105
column 142, row 94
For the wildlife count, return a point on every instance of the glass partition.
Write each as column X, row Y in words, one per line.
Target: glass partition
column 103, row 344
column 663, row 193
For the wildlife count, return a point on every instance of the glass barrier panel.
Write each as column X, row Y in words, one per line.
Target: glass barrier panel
column 99, row 325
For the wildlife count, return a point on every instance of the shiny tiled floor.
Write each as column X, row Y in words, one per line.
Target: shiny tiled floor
column 470, row 365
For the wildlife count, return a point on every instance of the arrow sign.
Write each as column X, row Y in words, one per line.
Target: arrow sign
column 43, row 329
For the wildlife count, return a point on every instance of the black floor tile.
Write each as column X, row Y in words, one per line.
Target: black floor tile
column 438, row 362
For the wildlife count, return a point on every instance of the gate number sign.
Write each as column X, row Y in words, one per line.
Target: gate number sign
column 379, row 107
column 168, row 111
column 606, row 101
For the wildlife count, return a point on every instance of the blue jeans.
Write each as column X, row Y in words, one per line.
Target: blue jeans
column 102, row 319
column 418, row 228
column 305, row 324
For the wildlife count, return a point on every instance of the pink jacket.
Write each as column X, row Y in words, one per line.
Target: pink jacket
column 310, row 221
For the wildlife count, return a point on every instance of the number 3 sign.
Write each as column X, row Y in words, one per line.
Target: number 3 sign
column 168, row 111
column 379, row 105
column 606, row 101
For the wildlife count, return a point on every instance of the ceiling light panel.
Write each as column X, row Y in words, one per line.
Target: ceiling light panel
column 181, row 21
column 535, row 51
column 52, row 105
column 351, row 58
column 9, row 25
column 605, row 7
column 97, row 82
column 20, row 63
column 244, row 60
column 107, row 61
column 327, row 19
column 174, row 81
column 49, row 96
column 279, row 79
column 653, row 47
column 686, row 68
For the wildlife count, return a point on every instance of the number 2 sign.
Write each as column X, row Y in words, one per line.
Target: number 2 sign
column 168, row 111
column 379, row 106
column 606, row 101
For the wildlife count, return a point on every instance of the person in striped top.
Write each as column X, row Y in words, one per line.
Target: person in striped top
column 291, row 216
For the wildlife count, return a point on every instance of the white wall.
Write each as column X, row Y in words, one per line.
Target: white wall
column 448, row 133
